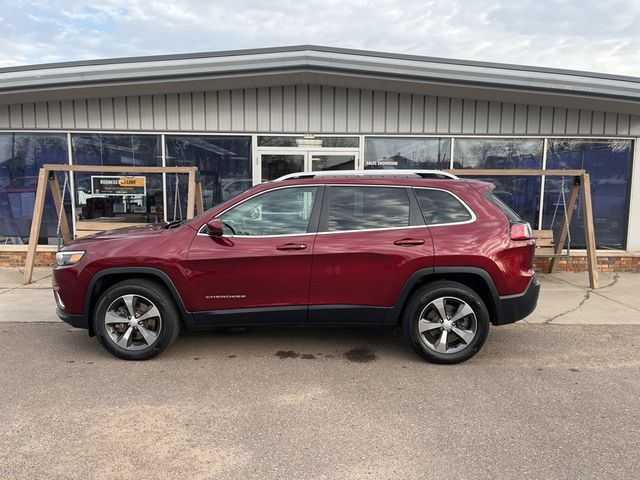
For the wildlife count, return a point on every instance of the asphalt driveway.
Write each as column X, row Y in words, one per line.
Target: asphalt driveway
column 540, row 401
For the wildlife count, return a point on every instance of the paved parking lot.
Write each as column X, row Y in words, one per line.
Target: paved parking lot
column 543, row 400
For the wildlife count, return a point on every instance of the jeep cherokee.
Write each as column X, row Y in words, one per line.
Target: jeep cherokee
column 439, row 256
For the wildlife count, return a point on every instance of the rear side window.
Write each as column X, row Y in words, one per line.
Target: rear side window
column 366, row 208
column 511, row 215
column 440, row 207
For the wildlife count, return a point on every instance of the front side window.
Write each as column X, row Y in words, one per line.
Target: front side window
column 366, row 208
column 278, row 212
column 440, row 207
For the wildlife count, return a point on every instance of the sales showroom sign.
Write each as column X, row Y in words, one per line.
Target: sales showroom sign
column 118, row 185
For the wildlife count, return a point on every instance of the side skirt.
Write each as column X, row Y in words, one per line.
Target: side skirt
column 326, row 315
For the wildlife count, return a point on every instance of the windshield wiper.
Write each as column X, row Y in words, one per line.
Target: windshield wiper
column 174, row 224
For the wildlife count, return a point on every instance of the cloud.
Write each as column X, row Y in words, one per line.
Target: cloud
column 583, row 35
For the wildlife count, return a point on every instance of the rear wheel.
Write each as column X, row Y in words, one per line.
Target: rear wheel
column 136, row 319
column 446, row 322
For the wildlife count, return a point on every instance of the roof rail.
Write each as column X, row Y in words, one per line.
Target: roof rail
column 369, row 173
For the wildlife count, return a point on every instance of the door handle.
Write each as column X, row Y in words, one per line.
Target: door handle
column 292, row 246
column 409, row 242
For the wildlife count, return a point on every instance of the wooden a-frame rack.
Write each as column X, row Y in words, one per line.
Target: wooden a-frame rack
column 47, row 178
column 194, row 200
column 580, row 179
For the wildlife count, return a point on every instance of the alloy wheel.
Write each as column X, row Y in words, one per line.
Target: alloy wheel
column 133, row 322
column 447, row 325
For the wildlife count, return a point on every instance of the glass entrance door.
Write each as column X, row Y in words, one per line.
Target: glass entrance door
column 275, row 164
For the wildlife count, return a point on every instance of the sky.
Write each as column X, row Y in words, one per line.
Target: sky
column 592, row 35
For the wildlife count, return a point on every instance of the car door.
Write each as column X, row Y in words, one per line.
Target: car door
column 259, row 270
column 371, row 239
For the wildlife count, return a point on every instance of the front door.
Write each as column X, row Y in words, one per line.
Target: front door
column 259, row 270
column 275, row 164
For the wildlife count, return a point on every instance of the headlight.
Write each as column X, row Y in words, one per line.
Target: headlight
column 68, row 257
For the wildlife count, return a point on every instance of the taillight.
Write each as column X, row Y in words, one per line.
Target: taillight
column 521, row 231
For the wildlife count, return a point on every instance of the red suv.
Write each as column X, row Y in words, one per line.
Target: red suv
column 438, row 255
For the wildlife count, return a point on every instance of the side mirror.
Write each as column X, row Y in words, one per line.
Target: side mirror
column 215, row 227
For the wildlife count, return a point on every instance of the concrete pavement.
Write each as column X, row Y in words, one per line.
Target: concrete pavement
column 565, row 298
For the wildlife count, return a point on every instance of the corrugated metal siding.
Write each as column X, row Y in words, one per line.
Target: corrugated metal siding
column 317, row 109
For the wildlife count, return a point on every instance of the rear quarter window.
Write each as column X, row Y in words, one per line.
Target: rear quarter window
column 511, row 215
column 440, row 207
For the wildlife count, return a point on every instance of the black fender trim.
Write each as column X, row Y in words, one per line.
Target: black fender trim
column 495, row 296
column 153, row 272
column 394, row 314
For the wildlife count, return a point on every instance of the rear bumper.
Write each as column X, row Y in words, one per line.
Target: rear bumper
column 77, row 321
column 517, row 307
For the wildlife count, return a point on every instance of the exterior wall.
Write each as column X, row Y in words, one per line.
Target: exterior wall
column 578, row 263
column 328, row 110
column 623, row 262
column 316, row 109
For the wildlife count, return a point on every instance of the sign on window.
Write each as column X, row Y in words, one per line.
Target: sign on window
column 118, row 185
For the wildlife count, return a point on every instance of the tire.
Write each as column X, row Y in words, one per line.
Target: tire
column 129, row 339
column 466, row 322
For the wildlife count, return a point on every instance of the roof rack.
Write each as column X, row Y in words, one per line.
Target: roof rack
column 369, row 173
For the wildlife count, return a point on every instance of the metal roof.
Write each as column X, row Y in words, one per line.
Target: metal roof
column 316, row 64
column 317, row 48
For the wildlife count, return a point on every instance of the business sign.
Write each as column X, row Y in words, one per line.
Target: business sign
column 118, row 185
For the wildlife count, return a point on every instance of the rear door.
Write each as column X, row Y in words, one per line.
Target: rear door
column 370, row 240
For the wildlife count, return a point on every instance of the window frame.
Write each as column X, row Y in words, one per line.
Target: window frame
column 416, row 220
column 464, row 204
column 312, row 228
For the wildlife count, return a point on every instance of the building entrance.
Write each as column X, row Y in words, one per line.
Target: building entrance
column 274, row 164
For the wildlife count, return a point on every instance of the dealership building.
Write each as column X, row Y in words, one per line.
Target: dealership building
column 249, row 116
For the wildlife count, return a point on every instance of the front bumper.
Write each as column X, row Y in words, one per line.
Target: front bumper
column 516, row 307
column 77, row 321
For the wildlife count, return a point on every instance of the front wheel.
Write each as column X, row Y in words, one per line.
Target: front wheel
column 446, row 322
column 136, row 319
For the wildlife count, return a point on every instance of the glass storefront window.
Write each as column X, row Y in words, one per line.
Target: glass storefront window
column 608, row 163
column 21, row 157
column 406, row 153
column 144, row 205
column 224, row 164
column 520, row 193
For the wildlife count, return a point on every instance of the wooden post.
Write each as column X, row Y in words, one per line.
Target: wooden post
column 589, row 232
column 35, row 224
column 564, row 231
column 59, row 203
column 191, row 193
column 199, row 204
